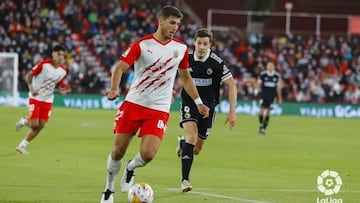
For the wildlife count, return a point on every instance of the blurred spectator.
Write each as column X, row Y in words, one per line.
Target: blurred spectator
column 313, row 69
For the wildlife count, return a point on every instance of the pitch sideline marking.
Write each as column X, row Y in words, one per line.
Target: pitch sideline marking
column 219, row 196
column 267, row 190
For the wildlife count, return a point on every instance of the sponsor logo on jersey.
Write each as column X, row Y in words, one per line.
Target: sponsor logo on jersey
column 269, row 84
column 202, row 81
column 176, row 53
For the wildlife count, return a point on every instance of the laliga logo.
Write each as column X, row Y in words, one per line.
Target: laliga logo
column 329, row 183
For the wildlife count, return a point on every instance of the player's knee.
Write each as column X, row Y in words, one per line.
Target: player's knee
column 191, row 139
column 117, row 153
column 36, row 126
column 147, row 156
column 41, row 126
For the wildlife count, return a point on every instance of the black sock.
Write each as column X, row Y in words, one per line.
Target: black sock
column 261, row 118
column 182, row 143
column 186, row 160
column 266, row 121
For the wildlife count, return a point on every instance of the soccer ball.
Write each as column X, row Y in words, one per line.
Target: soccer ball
column 141, row 193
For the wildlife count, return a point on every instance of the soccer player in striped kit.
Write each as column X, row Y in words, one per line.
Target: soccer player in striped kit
column 157, row 58
column 42, row 81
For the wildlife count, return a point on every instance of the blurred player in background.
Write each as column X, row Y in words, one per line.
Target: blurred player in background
column 269, row 81
column 156, row 58
column 209, row 71
column 42, row 81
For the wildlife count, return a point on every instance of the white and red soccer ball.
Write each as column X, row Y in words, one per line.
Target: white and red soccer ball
column 141, row 193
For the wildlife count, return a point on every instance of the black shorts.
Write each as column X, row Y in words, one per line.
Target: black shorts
column 267, row 103
column 189, row 112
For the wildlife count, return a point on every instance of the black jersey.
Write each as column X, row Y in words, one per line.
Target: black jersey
column 207, row 73
column 269, row 83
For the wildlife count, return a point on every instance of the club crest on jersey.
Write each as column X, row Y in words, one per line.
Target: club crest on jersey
column 176, row 53
column 209, row 71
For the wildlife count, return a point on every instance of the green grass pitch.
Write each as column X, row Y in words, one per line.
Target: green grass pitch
column 67, row 160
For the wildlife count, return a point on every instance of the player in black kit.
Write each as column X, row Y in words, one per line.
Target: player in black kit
column 208, row 71
column 269, row 81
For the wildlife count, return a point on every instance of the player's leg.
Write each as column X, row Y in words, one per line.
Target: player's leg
column 152, row 129
column 187, row 156
column 264, row 106
column 261, row 115
column 269, row 107
column 149, row 146
column 113, row 165
column 199, row 145
column 180, row 146
column 23, row 121
column 34, row 111
column 35, row 127
column 39, row 114
column 267, row 118
column 204, row 126
column 188, row 113
column 124, row 130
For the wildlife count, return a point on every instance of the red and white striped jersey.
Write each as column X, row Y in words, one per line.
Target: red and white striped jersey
column 155, row 68
column 45, row 79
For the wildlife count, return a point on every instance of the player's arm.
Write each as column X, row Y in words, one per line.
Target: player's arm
column 63, row 90
column 257, row 86
column 29, row 78
column 190, row 88
column 119, row 69
column 278, row 92
column 231, row 118
column 64, row 87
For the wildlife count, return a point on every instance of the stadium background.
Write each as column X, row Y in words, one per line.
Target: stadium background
column 318, row 66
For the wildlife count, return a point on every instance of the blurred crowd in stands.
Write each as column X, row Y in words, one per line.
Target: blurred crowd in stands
column 313, row 69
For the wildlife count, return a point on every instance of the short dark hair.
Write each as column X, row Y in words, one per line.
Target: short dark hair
column 203, row 32
column 168, row 11
column 59, row 47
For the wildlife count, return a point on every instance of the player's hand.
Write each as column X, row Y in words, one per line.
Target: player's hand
column 231, row 119
column 203, row 110
column 34, row 92
column 173, row 96
column 113, row 94
column 64, row 90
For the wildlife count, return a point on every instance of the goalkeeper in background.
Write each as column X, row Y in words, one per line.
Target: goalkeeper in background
column 42, row 81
